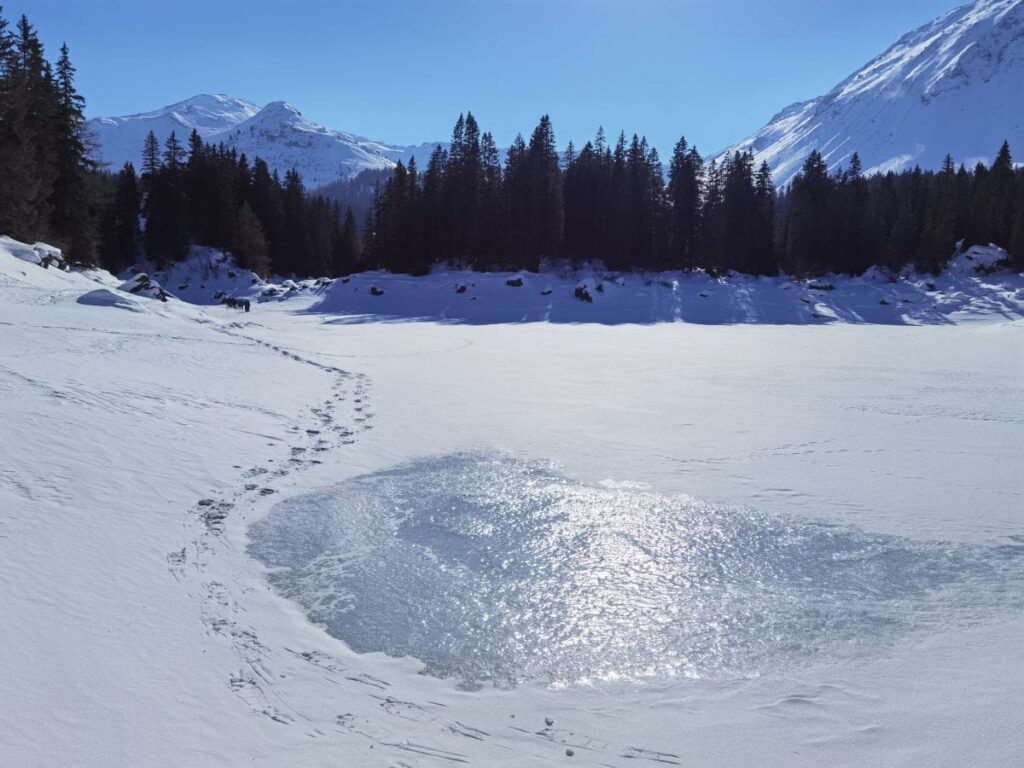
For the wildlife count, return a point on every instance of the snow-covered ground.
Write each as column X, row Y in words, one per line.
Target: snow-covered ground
column 835, row 506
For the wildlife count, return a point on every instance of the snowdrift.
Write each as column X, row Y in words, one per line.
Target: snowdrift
column 40, row 254
column 208, row 276
column 974, row 288
column 37, row 274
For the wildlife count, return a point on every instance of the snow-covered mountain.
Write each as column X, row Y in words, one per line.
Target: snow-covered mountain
column 952, row 86
column 278, row 133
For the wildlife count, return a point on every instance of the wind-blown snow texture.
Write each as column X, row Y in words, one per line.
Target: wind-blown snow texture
column 278, row 133
column 952, row 86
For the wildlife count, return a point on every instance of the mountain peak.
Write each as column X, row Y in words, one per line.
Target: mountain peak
column 278, row 133
column 947, row 87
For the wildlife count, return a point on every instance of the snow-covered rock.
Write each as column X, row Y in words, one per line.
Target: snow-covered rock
column 278, row 133
column 951, row 86
column 975, row 283
column 41, row 254
column 143, row 285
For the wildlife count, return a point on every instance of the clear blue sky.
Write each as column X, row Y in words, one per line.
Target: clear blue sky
column 401, row 71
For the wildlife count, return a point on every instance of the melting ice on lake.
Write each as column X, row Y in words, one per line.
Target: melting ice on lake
column 492, row 568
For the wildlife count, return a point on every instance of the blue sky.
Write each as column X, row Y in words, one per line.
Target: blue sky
column 401, row 71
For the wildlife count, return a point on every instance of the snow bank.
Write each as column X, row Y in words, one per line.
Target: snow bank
column 207, row 276
column 40, row 254
column 973, row 289
column 104, row 297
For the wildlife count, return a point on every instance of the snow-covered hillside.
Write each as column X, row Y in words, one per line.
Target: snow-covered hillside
column 278, row 133
column 952, row 86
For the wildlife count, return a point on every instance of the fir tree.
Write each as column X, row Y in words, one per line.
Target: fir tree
column 250, row 245
column 685, row 174
column 151, row 162
column 122, row 237
column 72, row 218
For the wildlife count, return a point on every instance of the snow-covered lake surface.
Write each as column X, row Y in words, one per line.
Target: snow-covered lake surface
column 686, row 544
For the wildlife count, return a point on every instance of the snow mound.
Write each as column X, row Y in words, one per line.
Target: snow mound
column 40, row 254
column 208, row 276
column 104, row 297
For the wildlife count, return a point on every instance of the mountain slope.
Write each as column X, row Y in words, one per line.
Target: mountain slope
column 278, row 133
column 951, row 86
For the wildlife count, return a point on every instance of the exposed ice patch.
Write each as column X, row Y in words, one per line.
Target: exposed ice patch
column 491, row 568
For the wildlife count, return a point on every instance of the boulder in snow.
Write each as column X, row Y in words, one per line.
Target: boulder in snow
column 40, row 254
column 143, row 285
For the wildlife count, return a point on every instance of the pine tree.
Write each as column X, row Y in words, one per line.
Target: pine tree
column 1016, row 245
column 346, row 251
column 685, row 174
column 250, row 245
column 809, row 225
column 174, row 154
column 517, row 191
column 20, row 186
column 430, row 223
column 712, row 218
column 72, row 218
column 122, row 237
column 295, row 243
column 493, row 217
column 151, row 162
column 31, row 158
column 544, row 196
column 1002, row 195
column 266, row 199
column 852, row 193
column 763, row 260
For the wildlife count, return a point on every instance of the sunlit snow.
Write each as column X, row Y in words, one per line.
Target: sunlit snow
column 491, row 568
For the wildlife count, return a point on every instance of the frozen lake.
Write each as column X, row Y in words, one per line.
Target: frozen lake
column 668, row 544
column 488, row 568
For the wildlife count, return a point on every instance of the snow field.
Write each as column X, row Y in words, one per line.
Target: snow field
column 139, row 448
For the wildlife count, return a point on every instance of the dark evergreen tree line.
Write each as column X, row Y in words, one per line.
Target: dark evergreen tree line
column 211, row 195
column 46, row 177
column 610, row 203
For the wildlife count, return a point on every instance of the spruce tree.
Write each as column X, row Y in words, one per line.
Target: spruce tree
column 685, row 175
column 809, row 225
column 20, row 186
column 72, row 218
column 346, row 252
column 1016, row 245
column 544, row 196
column 122, row 237
column 151, row 162
column 763, row 260
column 250, row 246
